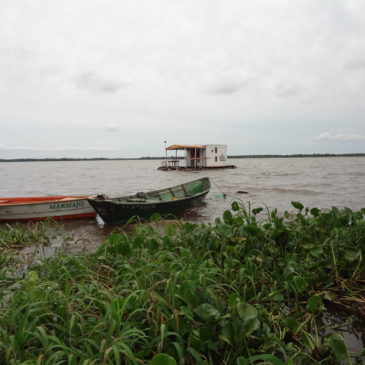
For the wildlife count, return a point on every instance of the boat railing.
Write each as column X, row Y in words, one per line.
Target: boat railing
column 170, row 163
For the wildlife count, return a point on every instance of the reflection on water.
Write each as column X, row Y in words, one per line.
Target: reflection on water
column 351, row 328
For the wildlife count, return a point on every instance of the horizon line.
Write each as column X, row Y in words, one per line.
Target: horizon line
column 180, row 157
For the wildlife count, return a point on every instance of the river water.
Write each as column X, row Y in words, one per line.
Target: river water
column 316, row 182
column 273, row 182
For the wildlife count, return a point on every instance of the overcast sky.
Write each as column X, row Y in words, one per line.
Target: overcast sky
column 115, row 78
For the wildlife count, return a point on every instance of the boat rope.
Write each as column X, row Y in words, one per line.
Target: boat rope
column 223, row 193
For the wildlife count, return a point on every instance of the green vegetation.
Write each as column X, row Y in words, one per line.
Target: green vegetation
column 249, row 289
column 18, row 235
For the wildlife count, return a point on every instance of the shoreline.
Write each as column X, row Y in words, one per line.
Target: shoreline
column 314, row 155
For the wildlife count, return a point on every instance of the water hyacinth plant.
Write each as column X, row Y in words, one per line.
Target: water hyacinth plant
column 17, row 236
column 249, row 289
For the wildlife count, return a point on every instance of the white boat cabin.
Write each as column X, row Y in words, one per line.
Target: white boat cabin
column 197, row 157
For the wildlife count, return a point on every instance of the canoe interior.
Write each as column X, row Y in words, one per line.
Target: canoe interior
column 165, row 201
column 39, row 199
column 165, row 195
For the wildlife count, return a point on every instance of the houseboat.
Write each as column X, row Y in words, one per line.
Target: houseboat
column 195, row 157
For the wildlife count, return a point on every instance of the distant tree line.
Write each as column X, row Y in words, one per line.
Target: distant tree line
column 77, row 159
column 301, row 155
column 162, row 158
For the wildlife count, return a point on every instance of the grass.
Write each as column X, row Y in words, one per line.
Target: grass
column 249, row 289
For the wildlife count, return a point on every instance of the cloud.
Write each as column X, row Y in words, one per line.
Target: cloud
column 20, row 148
column 18, row 52
column 112, row 128
column 87, row 148
column 226, row 86
column 97, row 83
column 285, row 90
column 222, row 67
column 356, row 64
column 60, row 149
column 345, row 137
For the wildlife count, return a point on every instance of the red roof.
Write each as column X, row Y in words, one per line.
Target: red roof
column 186, row 147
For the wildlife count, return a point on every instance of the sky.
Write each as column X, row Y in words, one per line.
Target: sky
column 117, row 78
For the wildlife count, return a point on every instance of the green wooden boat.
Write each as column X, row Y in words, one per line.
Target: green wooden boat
column 165, row 201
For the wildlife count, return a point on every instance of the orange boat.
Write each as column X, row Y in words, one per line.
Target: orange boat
column 41, row 208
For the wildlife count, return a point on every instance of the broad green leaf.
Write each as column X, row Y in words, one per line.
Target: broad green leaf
column 224, row 229
column 237, row 240
column 123, row 248
column 31, row 280
column 281, row 238
column 227, row 217
column 170, row 230
column 257, row 210
column 276, row 296
column 267, row 358
column 188, row 285
column 114, row 238
column 32, row 276
column 248, row 314
column 228, row 332
column 163, row 359
column 316, row 251
column 352, row 255
column 297, row 205
column 292, row 323
column 329, row 296
column 315, row 212
column 315, row 304
column 187, row 313
column 195, row 340
column 155, row 217
column 187, row 289
column 289, row 266
column 206, row 333
column 198, row 359
column 252, row 229
column 153, row 244
column 233, row 300
column 206, row 311
column 300, row 283
column 337, row 344
column 241, row 361
column 138, row 240
column 235, row 206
